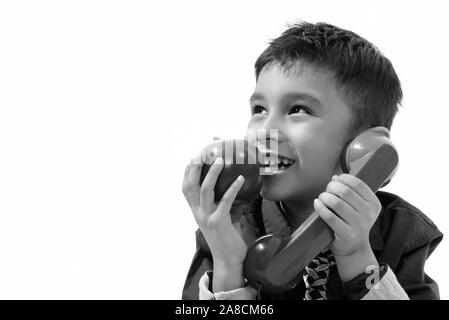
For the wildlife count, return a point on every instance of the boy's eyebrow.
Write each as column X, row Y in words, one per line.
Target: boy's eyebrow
column 290, row 96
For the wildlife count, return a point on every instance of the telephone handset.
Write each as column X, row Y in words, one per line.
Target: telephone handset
column 274, row 264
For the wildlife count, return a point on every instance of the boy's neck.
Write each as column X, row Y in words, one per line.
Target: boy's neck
column 297, row 212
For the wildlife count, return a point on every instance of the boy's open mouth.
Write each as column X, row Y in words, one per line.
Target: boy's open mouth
column 278, row 165
column 272, row 162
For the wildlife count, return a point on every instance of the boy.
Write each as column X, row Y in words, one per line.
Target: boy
column 319, row 86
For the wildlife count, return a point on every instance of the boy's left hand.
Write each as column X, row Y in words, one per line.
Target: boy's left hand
column 356, row 209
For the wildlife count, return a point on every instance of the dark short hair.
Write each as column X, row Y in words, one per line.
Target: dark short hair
column 364, row 77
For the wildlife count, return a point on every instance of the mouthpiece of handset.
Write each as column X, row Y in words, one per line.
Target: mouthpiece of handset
column 241, row 157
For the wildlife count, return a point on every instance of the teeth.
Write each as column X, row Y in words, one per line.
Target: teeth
column 278, row 162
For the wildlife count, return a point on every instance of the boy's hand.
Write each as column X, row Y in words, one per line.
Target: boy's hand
column 356, row 209
column 224, row 239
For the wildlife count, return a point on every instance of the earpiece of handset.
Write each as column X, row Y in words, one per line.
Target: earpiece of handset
column 274, row 264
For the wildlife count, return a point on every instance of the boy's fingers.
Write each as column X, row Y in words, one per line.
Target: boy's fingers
column 228, row 198
column 343, row 210
column 207, row 187
column 185, row 181
column 187, row 170
column 333, row 221
column 357, row 185
column 186, row 174
column 194, row 180
column 347, row 194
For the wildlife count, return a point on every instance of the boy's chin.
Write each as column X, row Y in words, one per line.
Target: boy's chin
column 274, row 194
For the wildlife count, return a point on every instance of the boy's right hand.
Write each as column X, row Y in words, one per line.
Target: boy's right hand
column 223, row 237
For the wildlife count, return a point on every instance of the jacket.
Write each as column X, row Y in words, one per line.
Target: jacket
column 402, row 238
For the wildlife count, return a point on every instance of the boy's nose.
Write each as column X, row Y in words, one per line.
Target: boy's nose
column 275, row 135
column 265, row 136
column 272, row 139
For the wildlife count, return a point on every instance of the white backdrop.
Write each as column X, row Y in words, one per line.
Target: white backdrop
column 102, row 103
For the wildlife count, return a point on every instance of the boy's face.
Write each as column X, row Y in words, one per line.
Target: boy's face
column 312, row 122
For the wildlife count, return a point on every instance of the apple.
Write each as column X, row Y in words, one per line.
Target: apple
column 240, row 158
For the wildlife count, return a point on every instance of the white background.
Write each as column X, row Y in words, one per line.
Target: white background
column 102, row 103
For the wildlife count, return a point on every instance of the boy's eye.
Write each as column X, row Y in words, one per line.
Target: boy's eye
column 259, row 109
column 299, row 109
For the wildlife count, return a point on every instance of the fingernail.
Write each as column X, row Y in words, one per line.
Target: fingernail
column 334, row 177
column 317, row 203
column 241, row 178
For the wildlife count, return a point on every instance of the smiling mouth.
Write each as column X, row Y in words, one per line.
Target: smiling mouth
column 271, row 162
column 275, row 167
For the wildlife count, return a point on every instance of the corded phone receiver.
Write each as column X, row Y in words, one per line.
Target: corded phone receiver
column 275, row 264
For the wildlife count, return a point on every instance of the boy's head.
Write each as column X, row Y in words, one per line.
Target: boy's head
column 319, row 86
